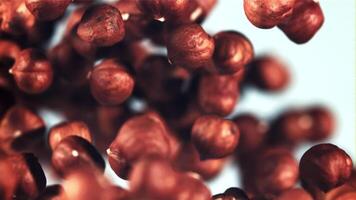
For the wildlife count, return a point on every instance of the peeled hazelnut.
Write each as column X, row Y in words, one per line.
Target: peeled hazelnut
column 139, row 137
column 268, row 13
column 268, row 73
column 74, row 153
column 47, row 10
column 306, row 20
column 323, row 123
column 232, row 51
column 32, row 71
column 218, row 94
column 65, row 129
column 253, row 132
column 20, row 128
column 101, row 25
column 274, row 171
column 232, row 194
column 323, row 167
column 190, row 46
column 295, row 193
column 110, row 82
column 214, row 137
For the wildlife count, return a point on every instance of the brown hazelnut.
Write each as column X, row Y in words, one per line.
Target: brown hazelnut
column 232, row 51
column 218, row 94
column 295, row 193
column 253, row 132
column 190, row 46
column 324, row 167
column 274, row 170
column 110, row 83
column 214, row 137
column 21, row 128
column 32, row 71
column 323, row 124
column 86, row 49
column 139, row 137
column 8, row 180
column 65, row 129
column 101, row 25
column 74, row 153
column 231, row 194
column 306, row 20
column 47, row 10
column 339, row 193
column 268, row 73
column 268, row 13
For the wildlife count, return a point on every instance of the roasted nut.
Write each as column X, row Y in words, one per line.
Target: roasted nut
column 231, row 194
column 74, row 153
column 323, row 123
column 268, row 73
column 110, row 83
column 65, row 129
column 218, row 94
column 324, row 167
column 32, row 71
column 139, row 137
column 253, row 132
column 190, row 46
column 232, row 51
column 20, row 128
column 47, row 10
column 306, row 20
column 274, row 171
column 295, row 193
column 214, row 137
column 268, row 13
column 101, row 25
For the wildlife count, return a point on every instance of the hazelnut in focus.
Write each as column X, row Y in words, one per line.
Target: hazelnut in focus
column 47, row 10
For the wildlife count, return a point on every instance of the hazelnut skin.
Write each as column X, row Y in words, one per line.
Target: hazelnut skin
column 306, row 20
column 110, row 83
column 32, row 71
column 101, row 25
column 190, row 46
column 214, row 137
column 324, row 167
column 218, row 94
column 47, row 10
column 65, row 129
column 268, row 13
column 232, row 51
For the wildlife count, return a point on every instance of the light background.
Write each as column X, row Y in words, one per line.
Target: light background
column 323, row 72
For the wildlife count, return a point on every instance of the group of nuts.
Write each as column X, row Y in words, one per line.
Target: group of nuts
column 180, row 135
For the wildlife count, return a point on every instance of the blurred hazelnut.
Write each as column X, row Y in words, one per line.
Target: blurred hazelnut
column 110, row 82
column 323, row 123
column 101, row 25
column 8, row 179
column 74, row 153
column 47, row 10
column 295, row 193
column 323, row 167
column 268, row 13
column 32, row 71
column 214, row 137
column 218, row 94
column 65, row 129
column 306, row 20
column 232, row 51
column 190, row 46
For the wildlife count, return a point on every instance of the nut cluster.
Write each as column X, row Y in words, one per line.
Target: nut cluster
column 164, row 121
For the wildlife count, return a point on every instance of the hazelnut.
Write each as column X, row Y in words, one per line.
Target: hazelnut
column 190, row 46
column 110, row 83
column 232, row 194
column 268, row 13
column 306, row 20
column 323, row 123
column 232, row 51
column 295, row 193
column 101, row 25
column 32, row 71
column 218, row 94
column 214, row 137
column 47, row 10
column 65, row 129
column 324, row 167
